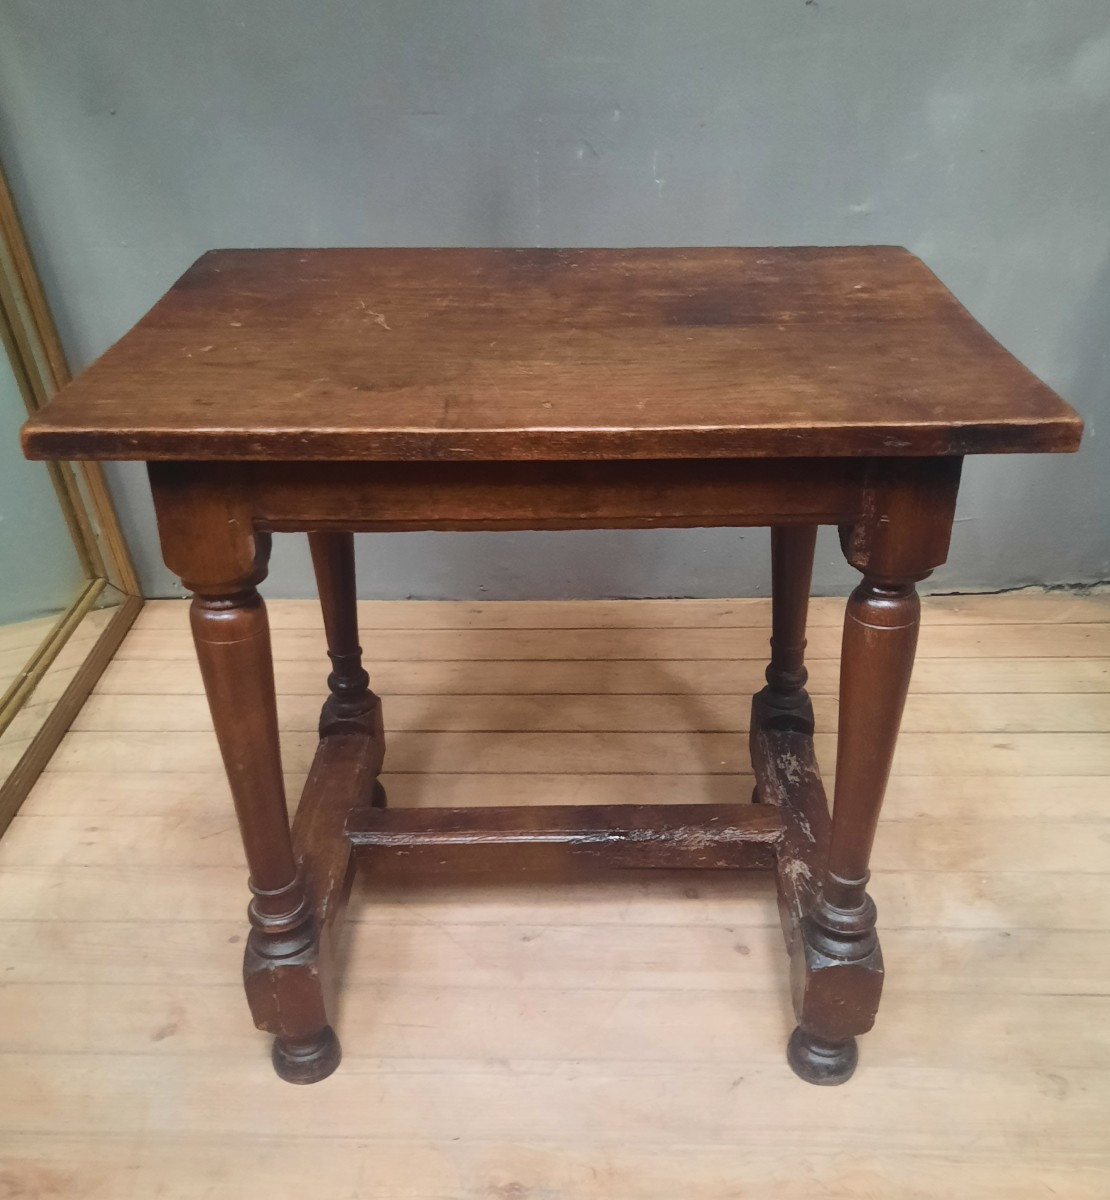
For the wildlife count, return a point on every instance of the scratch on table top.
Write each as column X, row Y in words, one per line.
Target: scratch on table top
column 379, row 318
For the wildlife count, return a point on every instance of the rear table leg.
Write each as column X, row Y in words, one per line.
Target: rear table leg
column 784, row 702
column 351, row 705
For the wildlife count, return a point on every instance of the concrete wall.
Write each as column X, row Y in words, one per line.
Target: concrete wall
column 976, row 132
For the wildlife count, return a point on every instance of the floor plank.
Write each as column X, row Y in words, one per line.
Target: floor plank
column 953, row 713
column 455, row 949
column 181, row 677
column 1033, row 605
column 662, row 645
column 291, row 1167
column 631, row 1103
column 951, row 797
column 604, row 1035
column 691, row 753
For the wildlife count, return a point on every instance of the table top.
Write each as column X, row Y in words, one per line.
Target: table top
column 433, row 354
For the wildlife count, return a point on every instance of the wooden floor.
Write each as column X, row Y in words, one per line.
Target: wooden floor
column 619, row 1037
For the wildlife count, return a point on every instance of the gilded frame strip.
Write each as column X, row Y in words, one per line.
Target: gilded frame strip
column 38, row 361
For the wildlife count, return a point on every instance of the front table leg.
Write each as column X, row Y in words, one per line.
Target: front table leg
column 209, row 541
column 845, row 975
column 839, row 972
column 280, row 969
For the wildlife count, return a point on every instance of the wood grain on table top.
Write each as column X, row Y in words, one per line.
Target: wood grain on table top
column 411, row 354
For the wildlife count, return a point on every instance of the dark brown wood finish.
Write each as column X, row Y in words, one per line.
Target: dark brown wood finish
column 547, row 495
column 785, row 700
column 343, row 779
column 281, row 966
column 351, row 701
column 902, row 538
column 379, row 497
column 787, row 776
column 340, row 391
column 723, row 836
column 410, row 355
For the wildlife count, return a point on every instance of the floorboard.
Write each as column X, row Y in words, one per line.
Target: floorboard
column 608, row 1036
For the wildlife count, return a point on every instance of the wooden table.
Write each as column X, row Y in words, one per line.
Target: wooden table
column 334, row 391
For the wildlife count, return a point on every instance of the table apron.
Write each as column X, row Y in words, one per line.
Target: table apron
column 293, row 496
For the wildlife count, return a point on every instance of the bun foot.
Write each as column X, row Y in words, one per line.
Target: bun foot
column 307, row 1061
column 819, row 1061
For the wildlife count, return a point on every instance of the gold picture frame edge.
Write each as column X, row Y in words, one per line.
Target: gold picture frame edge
column 38, row 359
column 15, row 788
column 44, row 654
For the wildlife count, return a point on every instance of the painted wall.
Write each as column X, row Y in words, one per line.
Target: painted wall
column 40, row 571
column 975, row 133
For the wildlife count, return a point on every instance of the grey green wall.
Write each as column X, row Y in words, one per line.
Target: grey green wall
column 976, row 132
column 40, row 571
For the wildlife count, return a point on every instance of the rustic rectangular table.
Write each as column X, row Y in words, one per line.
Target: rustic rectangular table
column 334, row 391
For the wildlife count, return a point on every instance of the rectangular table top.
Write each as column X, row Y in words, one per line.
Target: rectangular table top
column 433, row 354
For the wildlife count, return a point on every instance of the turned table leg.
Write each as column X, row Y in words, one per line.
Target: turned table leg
column 784, row 702
column 880, row 636
column 351, row 705
column 841, row 965
column 208, row 539
column 333, row 560
column 232, row 639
